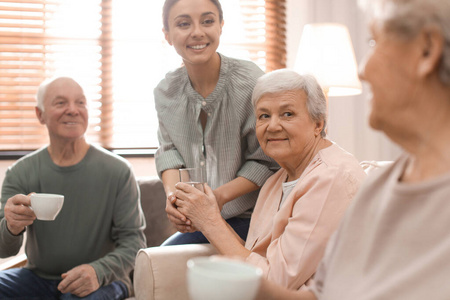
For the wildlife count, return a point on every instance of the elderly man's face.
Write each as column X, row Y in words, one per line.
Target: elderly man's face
column 284, row 128
column 65, row 110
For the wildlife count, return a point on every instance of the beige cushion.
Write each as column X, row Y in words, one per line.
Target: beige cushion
column 153, row 202
column 369, row 166
column 160, row 272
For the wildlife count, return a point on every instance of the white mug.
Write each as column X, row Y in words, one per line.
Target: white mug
column 222, row 279
column 46, row 206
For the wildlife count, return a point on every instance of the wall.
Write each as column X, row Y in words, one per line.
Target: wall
column 348, row 115
column 4, row 164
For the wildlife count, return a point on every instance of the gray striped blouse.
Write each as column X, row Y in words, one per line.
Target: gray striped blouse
column 228, row 147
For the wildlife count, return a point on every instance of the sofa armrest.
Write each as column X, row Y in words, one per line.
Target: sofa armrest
column 370, row 166
column 160, row 272
column 16, row 262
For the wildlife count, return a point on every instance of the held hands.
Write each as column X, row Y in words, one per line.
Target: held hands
column 79, row 281
column 182, row 224
column 201, row 208
column 18, row 213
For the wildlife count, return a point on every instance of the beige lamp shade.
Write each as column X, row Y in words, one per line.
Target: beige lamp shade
column 326, row 52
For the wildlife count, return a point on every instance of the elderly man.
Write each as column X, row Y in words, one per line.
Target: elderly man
column 88, row 251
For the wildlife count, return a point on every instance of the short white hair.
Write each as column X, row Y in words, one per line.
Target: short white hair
column 284, row 80
column 42, row 90
column 406, row 18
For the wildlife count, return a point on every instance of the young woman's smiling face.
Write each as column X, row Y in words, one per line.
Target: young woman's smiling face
column 194, row 30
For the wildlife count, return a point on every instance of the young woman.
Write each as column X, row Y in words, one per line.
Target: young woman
column 206, row 118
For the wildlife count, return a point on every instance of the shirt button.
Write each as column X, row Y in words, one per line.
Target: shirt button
column 204, row 103
column 202, row 163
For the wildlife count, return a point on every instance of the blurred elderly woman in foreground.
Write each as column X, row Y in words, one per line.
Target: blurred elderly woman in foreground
column 394, row 242
column 301, row 205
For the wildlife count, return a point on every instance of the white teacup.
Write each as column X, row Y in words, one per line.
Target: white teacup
column 46, row 206
column 222, row 279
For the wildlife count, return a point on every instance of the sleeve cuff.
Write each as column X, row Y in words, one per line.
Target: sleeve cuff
column 258, row 261
column 20, row 233
column 10, row 243
column 166, row 160
column 255, row 172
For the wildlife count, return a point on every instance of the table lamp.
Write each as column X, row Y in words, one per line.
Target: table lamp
column 326, row 52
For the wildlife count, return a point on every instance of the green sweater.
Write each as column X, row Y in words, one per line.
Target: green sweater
column 101, row 222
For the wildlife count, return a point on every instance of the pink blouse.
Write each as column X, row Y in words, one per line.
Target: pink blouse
column 288, row 243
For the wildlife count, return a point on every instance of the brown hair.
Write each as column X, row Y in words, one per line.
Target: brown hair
column 169, row 3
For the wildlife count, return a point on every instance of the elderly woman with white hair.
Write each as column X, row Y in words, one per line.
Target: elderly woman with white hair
column 301, row 205
column 394, row 242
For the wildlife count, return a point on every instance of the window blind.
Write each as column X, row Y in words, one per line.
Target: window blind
column 118, row 54
column 41, row 39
